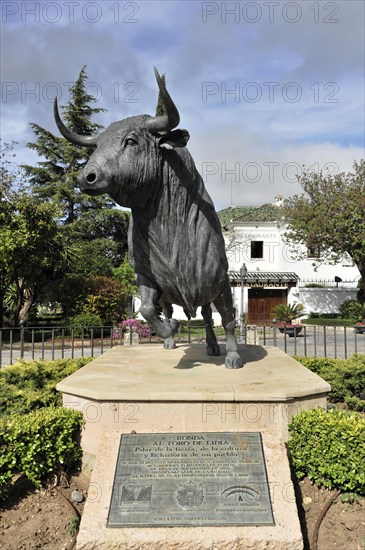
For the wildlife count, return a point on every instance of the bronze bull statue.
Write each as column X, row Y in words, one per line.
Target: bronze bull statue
column 175, row 240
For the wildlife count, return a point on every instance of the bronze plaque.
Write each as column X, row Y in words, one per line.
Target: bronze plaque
column 190, row 479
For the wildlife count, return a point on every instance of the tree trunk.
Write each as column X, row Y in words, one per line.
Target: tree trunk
column 361, row 285
column 28, row 301
column 26, row 297
column 1, row 308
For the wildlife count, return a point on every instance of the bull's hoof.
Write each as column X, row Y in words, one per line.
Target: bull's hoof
column 213, row 350
column 233, row 360
column 169, row 343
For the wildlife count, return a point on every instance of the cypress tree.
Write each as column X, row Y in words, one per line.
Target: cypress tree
column 54, row 178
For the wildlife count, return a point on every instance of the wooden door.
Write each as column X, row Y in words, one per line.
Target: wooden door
column 260, row 304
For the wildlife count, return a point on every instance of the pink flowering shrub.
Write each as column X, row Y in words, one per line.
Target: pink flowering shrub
column 141, row 328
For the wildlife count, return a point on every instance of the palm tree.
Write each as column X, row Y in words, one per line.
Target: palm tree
column 287, row 313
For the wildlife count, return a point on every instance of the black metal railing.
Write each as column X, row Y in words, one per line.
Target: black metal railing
column 63, row 342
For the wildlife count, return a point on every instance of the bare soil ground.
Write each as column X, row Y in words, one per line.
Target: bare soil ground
column 39, row 519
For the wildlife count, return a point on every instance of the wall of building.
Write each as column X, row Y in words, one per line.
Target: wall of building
column 279, row 255
column 324, row 300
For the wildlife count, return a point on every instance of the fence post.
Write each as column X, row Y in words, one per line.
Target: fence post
column 72, row 343
column 325, row 341
column 315, row 341
column 11, row 346
column 21, row 323
column 53, row 343
column 305, row 341
column 63, row 343
column 33, row 344
column 92, row 341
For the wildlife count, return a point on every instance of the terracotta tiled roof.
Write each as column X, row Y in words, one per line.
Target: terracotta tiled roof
column 264, row 213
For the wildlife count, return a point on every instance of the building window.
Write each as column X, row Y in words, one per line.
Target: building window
column 257, row 249
column 313, row 251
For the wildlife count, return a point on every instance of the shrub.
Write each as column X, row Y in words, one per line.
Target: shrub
column 38, row 443
column 287, row 313
column 84, row 322
column 140, row 327
column 346, row 377
column 30, row 385
column 329, row 448
column 106, row 298
column 353, row 309
column 328, row 322
column 313, row 315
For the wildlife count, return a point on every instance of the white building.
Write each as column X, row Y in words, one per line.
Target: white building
column 276, row 271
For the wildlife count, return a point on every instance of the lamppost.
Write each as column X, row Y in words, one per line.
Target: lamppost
column 243, row 275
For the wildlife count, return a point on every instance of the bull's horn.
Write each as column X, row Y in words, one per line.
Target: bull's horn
column 84, row 141
column 166, row 122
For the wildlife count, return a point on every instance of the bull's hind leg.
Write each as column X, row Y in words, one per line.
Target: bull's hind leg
column 212, row 344
column 224, row 305
column 168, row 310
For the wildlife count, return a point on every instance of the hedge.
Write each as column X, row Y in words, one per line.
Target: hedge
column 329, row 448
column 37, row 435
column 346, row 377
column 30, row 385
column 329, row 322
column 38, row 443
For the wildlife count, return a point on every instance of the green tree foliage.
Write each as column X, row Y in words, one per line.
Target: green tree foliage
column 54, row 178
column 94, row 229
column 31, row 249
column 106, row 298
column 330, row 216
column 99, row 243
column 31, row 245
column 108, row 227
column 126, row 275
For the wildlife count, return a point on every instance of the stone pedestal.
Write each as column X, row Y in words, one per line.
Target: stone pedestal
column 148, row 389
column 284, row 535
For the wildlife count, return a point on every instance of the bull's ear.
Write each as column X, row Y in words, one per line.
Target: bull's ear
column 176, row 138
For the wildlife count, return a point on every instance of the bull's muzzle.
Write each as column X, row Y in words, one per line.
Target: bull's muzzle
column 86, row 182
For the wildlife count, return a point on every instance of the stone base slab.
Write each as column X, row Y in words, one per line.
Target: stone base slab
column 284, row 535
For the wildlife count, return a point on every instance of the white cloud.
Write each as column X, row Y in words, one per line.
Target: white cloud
column 120, row 54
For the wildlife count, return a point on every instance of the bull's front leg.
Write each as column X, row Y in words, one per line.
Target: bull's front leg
column 150, row 297
column 168, row 310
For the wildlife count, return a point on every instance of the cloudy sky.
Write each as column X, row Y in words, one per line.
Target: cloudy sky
column 264, row 87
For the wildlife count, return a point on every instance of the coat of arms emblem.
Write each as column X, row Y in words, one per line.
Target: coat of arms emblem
column 190, row 495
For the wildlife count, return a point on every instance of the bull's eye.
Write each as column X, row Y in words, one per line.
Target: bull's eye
column 131, row 141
